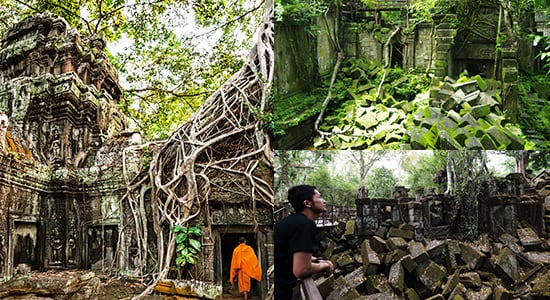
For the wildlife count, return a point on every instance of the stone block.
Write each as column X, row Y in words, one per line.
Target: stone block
column 378, row 283
column 501, row 293
column 418, row 252
column 447, row 123
column 325, row 285
column 458, row 293
column 480, row 111
column 431, row 275
column 484, row 98
column 405, row 234
column 501, row 140
column 468, row 121
column 396, row 277
column 507, row 263
column 461, row 135
column 411, row 294
column 378, row 244
column 394, row 256
column 350, row 229
column 516, row 142
column 446, row 142
column 538, row 257
column 435, row 248
column 480, row 83
column 509, row 74
column 396, row 243
column 467, row 87
column 422, row 139
column 451, row 283
column 382, row 231
column 529, row 238
column 488, row 143
column 472, row 98
column 471, row 256
column 483, row 293
column 470, row 279
column 473, row 143
column 408, row 263
column 344, row 260
column 371, row 260
column 541, row 287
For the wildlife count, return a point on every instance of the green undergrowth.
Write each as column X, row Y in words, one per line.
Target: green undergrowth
column 534, row 109
column 411, row 111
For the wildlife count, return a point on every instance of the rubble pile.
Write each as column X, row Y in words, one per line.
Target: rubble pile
column 393, row 265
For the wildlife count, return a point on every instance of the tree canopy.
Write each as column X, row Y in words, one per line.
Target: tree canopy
column 171, row 54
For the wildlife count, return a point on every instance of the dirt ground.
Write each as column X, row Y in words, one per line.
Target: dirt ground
column 80, row 284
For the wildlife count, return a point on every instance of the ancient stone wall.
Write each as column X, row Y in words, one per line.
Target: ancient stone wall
column 503, row 204
column 61, row 180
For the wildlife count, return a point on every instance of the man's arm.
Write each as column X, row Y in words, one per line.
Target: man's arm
column 304, row 267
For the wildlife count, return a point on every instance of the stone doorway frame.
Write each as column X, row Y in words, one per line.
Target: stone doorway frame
column 223, row 251
column 13, row 221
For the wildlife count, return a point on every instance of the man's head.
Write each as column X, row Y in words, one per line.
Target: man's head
column 306, row 196
column 242, row 240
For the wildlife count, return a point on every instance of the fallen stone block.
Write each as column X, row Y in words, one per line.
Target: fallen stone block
column 501, row 293
column 371, row 260
column 396, row 277
column 431, row 275
column 396, row 243
column 507, row 262
column 393, row 256
column 458, row 292
column 396, row 232
column 418, row 252
column 484, row 293
column 378, row 244
column 541, row 287
column 451, row 283
column 325, row 285
column 436, row 297
column 342, row 290
column 538, row 257
column 378, row 283
column 470, row 280
column 467, row 87
column 411, row 294
column 435, row 248
column 408, row 263
column 529, row 238
column 471, row 256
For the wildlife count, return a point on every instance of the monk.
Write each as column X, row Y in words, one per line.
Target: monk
column 244, row 265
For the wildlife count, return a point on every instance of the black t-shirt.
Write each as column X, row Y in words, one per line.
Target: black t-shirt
column 295, row 233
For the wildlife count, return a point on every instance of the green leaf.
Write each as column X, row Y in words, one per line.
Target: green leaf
column 180, row 238
column 195, row 244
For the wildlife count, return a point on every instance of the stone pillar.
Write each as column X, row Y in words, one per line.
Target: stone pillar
column 444, row 37
column 510, row 92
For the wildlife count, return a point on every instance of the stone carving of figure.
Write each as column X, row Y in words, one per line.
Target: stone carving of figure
column 3, row 130
column 57, row 243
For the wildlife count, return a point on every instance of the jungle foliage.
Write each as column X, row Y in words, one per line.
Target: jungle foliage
column 171, row 54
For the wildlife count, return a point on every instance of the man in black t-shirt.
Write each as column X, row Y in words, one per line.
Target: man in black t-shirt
column 295, row 239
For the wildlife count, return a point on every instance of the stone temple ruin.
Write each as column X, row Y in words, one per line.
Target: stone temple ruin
column 418, row 248
column 64, row 158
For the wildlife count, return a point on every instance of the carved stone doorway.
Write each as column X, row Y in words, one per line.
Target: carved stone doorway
column 228, row 243
column 101, row 243
column 23, row 243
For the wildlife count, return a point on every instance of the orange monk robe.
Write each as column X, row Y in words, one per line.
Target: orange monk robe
column 245, row 263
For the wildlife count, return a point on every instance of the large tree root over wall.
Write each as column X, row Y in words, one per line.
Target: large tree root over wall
column 222, row 143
